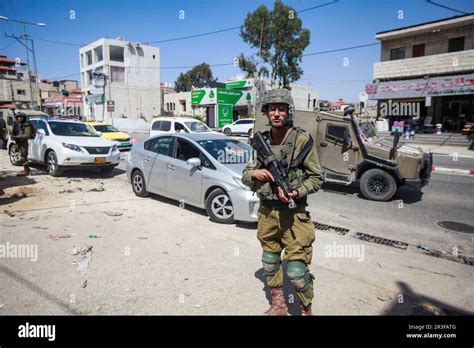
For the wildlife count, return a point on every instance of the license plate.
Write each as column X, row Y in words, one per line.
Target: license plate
column 100, row 160
column 125, row 143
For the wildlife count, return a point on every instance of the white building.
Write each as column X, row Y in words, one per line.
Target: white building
column 179, row 104
column 132, row 79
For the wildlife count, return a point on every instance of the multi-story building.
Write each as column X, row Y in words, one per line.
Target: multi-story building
column 131, row 84
column 14, row 84
column 426, row 73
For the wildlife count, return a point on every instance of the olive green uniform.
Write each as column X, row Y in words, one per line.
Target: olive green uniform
column 280, row 227
column 25, row 132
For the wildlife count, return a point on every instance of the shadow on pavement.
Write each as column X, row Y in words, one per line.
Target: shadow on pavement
column 39, row 291
column 418, row 304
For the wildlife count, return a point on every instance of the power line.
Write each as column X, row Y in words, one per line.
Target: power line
column 445, row 7
column 4, row 47
column 341, row 49
column 185, row 37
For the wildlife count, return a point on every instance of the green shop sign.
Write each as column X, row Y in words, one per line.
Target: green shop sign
column 224, row 114
column 240, row 84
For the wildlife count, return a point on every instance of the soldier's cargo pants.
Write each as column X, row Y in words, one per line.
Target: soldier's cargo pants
column 290, row 230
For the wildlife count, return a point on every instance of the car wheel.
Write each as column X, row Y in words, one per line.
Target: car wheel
column 108, row 169
column 138, row 184
column 227, row 131
column 219, row 207
column 15, row 156
column 378, row 185
column 52, row 164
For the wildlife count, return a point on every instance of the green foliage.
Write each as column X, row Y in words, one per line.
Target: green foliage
column 280, row 40
column 249, row 66
column 201, row 73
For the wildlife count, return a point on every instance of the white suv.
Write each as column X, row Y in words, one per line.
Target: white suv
column 161, row 125
column 65, row 144
column 241, row 126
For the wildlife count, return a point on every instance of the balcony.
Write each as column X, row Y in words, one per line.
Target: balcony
column 445, row 63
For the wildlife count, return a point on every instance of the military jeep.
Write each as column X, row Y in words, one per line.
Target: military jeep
column 352, row 152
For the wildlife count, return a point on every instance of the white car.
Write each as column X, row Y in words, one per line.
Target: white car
column 241, row 126
column 162, row 125
column 66, row 144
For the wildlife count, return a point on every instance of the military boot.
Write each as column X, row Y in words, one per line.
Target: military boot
column 25, row 172
column 306, row 310
column 278, row 306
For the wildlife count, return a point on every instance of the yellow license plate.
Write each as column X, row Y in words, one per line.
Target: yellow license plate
column 100, row 160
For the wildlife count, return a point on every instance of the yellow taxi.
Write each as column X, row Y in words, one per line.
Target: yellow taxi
column 107, row 131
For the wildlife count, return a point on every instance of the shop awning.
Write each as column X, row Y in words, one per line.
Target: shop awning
column 420, row 88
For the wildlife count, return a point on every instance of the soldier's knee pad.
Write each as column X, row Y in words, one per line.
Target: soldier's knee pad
column 271, row 263
column 299, row 275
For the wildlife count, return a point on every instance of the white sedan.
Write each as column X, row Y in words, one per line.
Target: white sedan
column 67, row 144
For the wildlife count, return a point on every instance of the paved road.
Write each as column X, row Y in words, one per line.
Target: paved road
column 411, row 216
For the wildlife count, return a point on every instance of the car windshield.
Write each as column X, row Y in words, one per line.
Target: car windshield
column 227, row 151
column 368, row 130
column 72, row 129
column 105, row 128
column 197, row 127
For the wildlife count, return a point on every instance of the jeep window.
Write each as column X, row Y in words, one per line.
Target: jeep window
column 367, row 129
column 336, row 133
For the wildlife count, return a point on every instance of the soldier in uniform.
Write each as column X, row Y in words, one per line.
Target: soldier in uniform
column 22, row 133
column 279, row 226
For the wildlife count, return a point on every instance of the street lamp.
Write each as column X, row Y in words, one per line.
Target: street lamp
column 38, row 24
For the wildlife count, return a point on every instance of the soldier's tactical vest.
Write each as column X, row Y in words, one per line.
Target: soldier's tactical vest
column 286, row 153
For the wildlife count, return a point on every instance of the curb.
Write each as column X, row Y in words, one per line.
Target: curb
column 469, row 172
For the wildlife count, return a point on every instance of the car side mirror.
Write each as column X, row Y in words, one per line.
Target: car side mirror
column 195, row 162
column 41, row 131
column 99, row 133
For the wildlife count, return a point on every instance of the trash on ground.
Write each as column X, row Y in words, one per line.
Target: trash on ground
column 84, row 284
column 56, row 237
column 96, row 189
column 12, row 214
column 143, row 237
column 93, row 236
column 384, row 298
column 423, row 247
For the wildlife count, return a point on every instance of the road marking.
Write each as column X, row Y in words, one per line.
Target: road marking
column 467, row 172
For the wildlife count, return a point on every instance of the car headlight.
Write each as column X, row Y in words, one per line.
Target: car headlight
column 72, row 147
column 114, row 148
column 239, row 181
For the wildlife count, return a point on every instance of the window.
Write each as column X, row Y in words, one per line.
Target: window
column 42, row 125
column 116, row 54
column 418, row 50
column 161, row 145
column 21, row 92
column 178, row 127
column 397, row 53
column 164, row 126
column 156, row 126
column 456, row 44
column 335, row 132
column 98, row 54
column 82, row 60
column 185, row 150
column 89, row 77
column 117, row 74
column 183, row 105
column 89, row 57
column 20, row 74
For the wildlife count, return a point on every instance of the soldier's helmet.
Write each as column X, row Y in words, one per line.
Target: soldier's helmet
column 20, row 114
column 278, row 95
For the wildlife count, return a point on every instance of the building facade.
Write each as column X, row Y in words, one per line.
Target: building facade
column 223, row 105
column 120, row 79
column 426, row 74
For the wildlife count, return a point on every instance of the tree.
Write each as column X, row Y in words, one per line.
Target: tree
column 200, row 74
column 280, row 39
column 249, row 67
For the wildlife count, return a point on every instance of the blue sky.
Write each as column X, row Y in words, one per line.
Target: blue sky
column 346, row 23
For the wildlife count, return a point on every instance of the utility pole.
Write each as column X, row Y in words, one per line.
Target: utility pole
column 110, row 93
column 28, row 50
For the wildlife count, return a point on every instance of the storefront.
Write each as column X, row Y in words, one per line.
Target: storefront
column 220, row 104
column 446, row 100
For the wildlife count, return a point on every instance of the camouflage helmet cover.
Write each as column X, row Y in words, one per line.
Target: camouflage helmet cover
column 279, row 95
